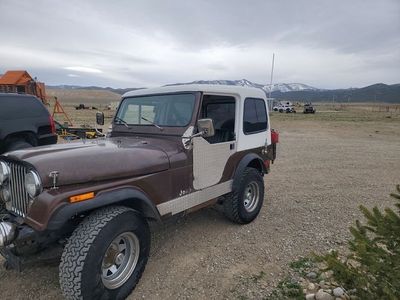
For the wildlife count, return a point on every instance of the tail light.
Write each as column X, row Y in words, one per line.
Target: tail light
column 267, row 164
column 274, row 136
column 52, row 124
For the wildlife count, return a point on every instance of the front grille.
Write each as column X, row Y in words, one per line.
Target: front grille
column 19, row 196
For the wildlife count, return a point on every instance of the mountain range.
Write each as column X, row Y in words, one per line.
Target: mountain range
column 291, row 91
column 277, row 87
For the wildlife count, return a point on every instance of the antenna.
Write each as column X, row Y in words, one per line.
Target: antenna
column 272, row 74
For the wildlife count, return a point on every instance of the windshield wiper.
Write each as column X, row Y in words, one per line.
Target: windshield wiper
column 152, row 123
column 118, row 119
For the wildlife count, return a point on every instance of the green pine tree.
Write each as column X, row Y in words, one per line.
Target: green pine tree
column 373, row 265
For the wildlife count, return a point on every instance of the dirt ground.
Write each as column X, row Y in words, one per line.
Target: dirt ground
column 328, row 164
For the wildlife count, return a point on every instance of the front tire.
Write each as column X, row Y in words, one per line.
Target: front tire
column 106, row 255
column 243, row 205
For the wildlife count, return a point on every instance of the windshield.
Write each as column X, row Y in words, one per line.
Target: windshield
column 172, row 110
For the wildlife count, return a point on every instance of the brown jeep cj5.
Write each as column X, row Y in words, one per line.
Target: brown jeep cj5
column 170, row 150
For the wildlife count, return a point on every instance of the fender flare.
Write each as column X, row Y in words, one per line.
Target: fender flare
column 126, row 196
column 248, row 159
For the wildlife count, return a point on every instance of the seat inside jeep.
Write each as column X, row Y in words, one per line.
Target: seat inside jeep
column 221, row 109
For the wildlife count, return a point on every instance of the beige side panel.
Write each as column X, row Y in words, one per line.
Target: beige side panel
column 191, row 200
column 209, row 162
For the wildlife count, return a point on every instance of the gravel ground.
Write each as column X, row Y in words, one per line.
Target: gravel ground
column 323, row 172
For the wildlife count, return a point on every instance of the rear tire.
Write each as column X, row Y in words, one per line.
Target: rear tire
column 106, row 255
column 243, row 205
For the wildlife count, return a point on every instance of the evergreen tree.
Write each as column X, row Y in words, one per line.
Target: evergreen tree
column 373, row 265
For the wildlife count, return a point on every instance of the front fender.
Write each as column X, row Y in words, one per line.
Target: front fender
column 126, row 196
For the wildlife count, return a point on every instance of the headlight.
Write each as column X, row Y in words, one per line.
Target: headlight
column 4, row 172
column 5, row 194
column 33, row 184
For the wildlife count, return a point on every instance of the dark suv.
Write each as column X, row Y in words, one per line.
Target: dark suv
column 24, row 122
column 309, row 109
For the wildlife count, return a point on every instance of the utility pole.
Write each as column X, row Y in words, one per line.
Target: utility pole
column 272, row 74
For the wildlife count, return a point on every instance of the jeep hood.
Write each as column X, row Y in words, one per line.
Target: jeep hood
column 97, row 160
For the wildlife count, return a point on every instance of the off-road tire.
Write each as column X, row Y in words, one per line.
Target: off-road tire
column 3, row 209
column 81, row 262
column 234, row 207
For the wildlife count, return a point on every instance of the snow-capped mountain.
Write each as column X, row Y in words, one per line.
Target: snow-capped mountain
column 277, row 87
column 289, row 87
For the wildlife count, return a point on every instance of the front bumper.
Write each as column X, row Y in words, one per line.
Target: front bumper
column 11, row 235
column 8, row 233
column 26, row 247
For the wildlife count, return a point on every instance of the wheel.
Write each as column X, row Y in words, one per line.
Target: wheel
column 244, row 203
column 17, row 145
column 106, row 255
column 7, row 266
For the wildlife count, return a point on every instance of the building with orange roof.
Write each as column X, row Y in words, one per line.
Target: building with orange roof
column 22, row 82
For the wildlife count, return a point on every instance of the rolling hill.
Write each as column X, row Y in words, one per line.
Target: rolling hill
column 379, row 92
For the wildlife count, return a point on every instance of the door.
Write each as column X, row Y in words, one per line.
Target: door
column 211, row 154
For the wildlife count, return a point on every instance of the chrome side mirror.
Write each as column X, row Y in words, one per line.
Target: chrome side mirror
column 100, row 118
column 206, row 127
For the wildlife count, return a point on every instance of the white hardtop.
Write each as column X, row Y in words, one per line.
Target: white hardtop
column 242, row 91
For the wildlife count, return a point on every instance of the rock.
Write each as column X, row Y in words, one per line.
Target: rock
column 311, row 286
column 310, row 297
column 311, row 275
column 352, row 291
column 321, row 295
column 324, row 285
column 326, row 275
column 338, row 292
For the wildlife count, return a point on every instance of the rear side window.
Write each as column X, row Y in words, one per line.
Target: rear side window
column 255, row 116
column 12, row 108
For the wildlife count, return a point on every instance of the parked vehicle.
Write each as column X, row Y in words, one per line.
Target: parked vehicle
column 171, row 150
column 286, row 109
column 290, row 109
column 24, row 122
column 309, row 109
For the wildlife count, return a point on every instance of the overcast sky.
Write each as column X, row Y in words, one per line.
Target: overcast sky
column 326, row 44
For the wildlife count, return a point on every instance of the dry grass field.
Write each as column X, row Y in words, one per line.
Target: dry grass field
column 328, row 164
column 87, row 97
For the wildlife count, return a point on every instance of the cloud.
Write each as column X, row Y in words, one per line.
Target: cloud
column 148, row 43
column 83, row 69
column 73, row 75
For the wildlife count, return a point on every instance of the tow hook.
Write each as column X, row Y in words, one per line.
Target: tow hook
column 7, row 233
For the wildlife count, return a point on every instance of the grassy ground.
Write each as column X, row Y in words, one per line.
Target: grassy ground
column 328, row 164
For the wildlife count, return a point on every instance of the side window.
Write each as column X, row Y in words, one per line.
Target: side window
column 254, row 116
column 221, row 109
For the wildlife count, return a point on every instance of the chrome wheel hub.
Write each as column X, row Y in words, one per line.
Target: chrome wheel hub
column 251, row 196
column 120, row 260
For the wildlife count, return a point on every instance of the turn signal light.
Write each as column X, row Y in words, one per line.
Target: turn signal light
column 81, row 197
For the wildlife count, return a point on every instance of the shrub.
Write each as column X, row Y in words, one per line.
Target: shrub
column 373, row 265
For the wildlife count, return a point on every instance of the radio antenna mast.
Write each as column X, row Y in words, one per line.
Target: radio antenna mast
column 272, row 74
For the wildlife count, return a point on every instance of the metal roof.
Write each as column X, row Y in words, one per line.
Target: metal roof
column 15, row 77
